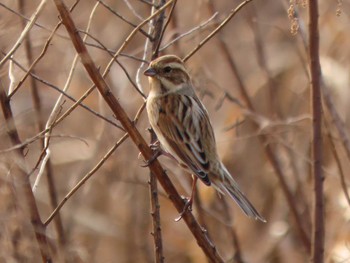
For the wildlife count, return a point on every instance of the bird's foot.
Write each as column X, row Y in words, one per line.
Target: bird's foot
column 187, row 207
column 157, row 151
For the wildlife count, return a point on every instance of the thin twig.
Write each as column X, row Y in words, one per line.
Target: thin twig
column 30, row 69
column 77, row 102
column 124, row 19
column 132, row 9
column 318, row 231
column 25, row 31
column 93, row 170
column 119, row 63
column 85, row 179
column 228, row 18
column 35, row 23
column 192, row 30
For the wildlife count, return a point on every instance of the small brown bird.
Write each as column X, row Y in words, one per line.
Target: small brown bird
column 183, row 128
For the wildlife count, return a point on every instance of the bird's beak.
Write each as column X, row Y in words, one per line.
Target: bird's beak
column 150, row 72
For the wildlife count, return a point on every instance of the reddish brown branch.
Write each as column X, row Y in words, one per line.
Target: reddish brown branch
column 317, row 252
column 134, row 134
column 158, row 23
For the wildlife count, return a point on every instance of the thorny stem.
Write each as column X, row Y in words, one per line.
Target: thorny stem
column 317, row 248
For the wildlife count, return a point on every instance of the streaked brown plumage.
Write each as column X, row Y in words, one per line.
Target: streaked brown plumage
column 183, row 128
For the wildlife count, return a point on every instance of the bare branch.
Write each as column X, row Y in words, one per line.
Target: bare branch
column 317, row 249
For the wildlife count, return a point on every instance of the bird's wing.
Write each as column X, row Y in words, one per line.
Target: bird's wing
column 185, row 125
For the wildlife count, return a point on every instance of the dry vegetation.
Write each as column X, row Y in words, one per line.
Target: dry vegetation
column 253, row 76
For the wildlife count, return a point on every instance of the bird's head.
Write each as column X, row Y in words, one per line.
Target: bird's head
column 168, row 73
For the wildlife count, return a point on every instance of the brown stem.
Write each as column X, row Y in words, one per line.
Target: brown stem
column 317, row 252
column 23, row 190
column 134, row 134
column 158, row 23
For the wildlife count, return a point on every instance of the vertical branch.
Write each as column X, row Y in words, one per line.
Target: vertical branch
column 24, row 194
column 155, row 207
column 317, row 252
column 157, row 23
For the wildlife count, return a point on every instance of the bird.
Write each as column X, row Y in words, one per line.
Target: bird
column 183, row 128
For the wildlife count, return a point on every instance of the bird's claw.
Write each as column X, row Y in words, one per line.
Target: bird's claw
column 187, row 207
column 152, row 159
column 157, row 151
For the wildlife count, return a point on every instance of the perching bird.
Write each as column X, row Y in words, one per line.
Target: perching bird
column 183, row 128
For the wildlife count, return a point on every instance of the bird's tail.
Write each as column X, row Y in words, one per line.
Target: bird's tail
column 228, row 185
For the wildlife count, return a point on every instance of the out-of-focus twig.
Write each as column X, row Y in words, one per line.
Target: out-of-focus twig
column 124, row 19
column 132, row 9
column 238, row 253
column 217, row 29
column 25, row 31
column 337, row 160
column 93, row 170
column 192, row 30
column 119, row 63
column 77, row 102
column 129, row 126
column 85, row 179
column 336, row 120
column 317, row 247
column 24, row 194
column 30, row 69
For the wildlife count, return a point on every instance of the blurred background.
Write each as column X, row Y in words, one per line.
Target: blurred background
column 252, row 77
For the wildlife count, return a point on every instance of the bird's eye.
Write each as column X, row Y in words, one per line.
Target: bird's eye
column 167, row 69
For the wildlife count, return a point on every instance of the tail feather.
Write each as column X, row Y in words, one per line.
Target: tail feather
column 229, row 185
